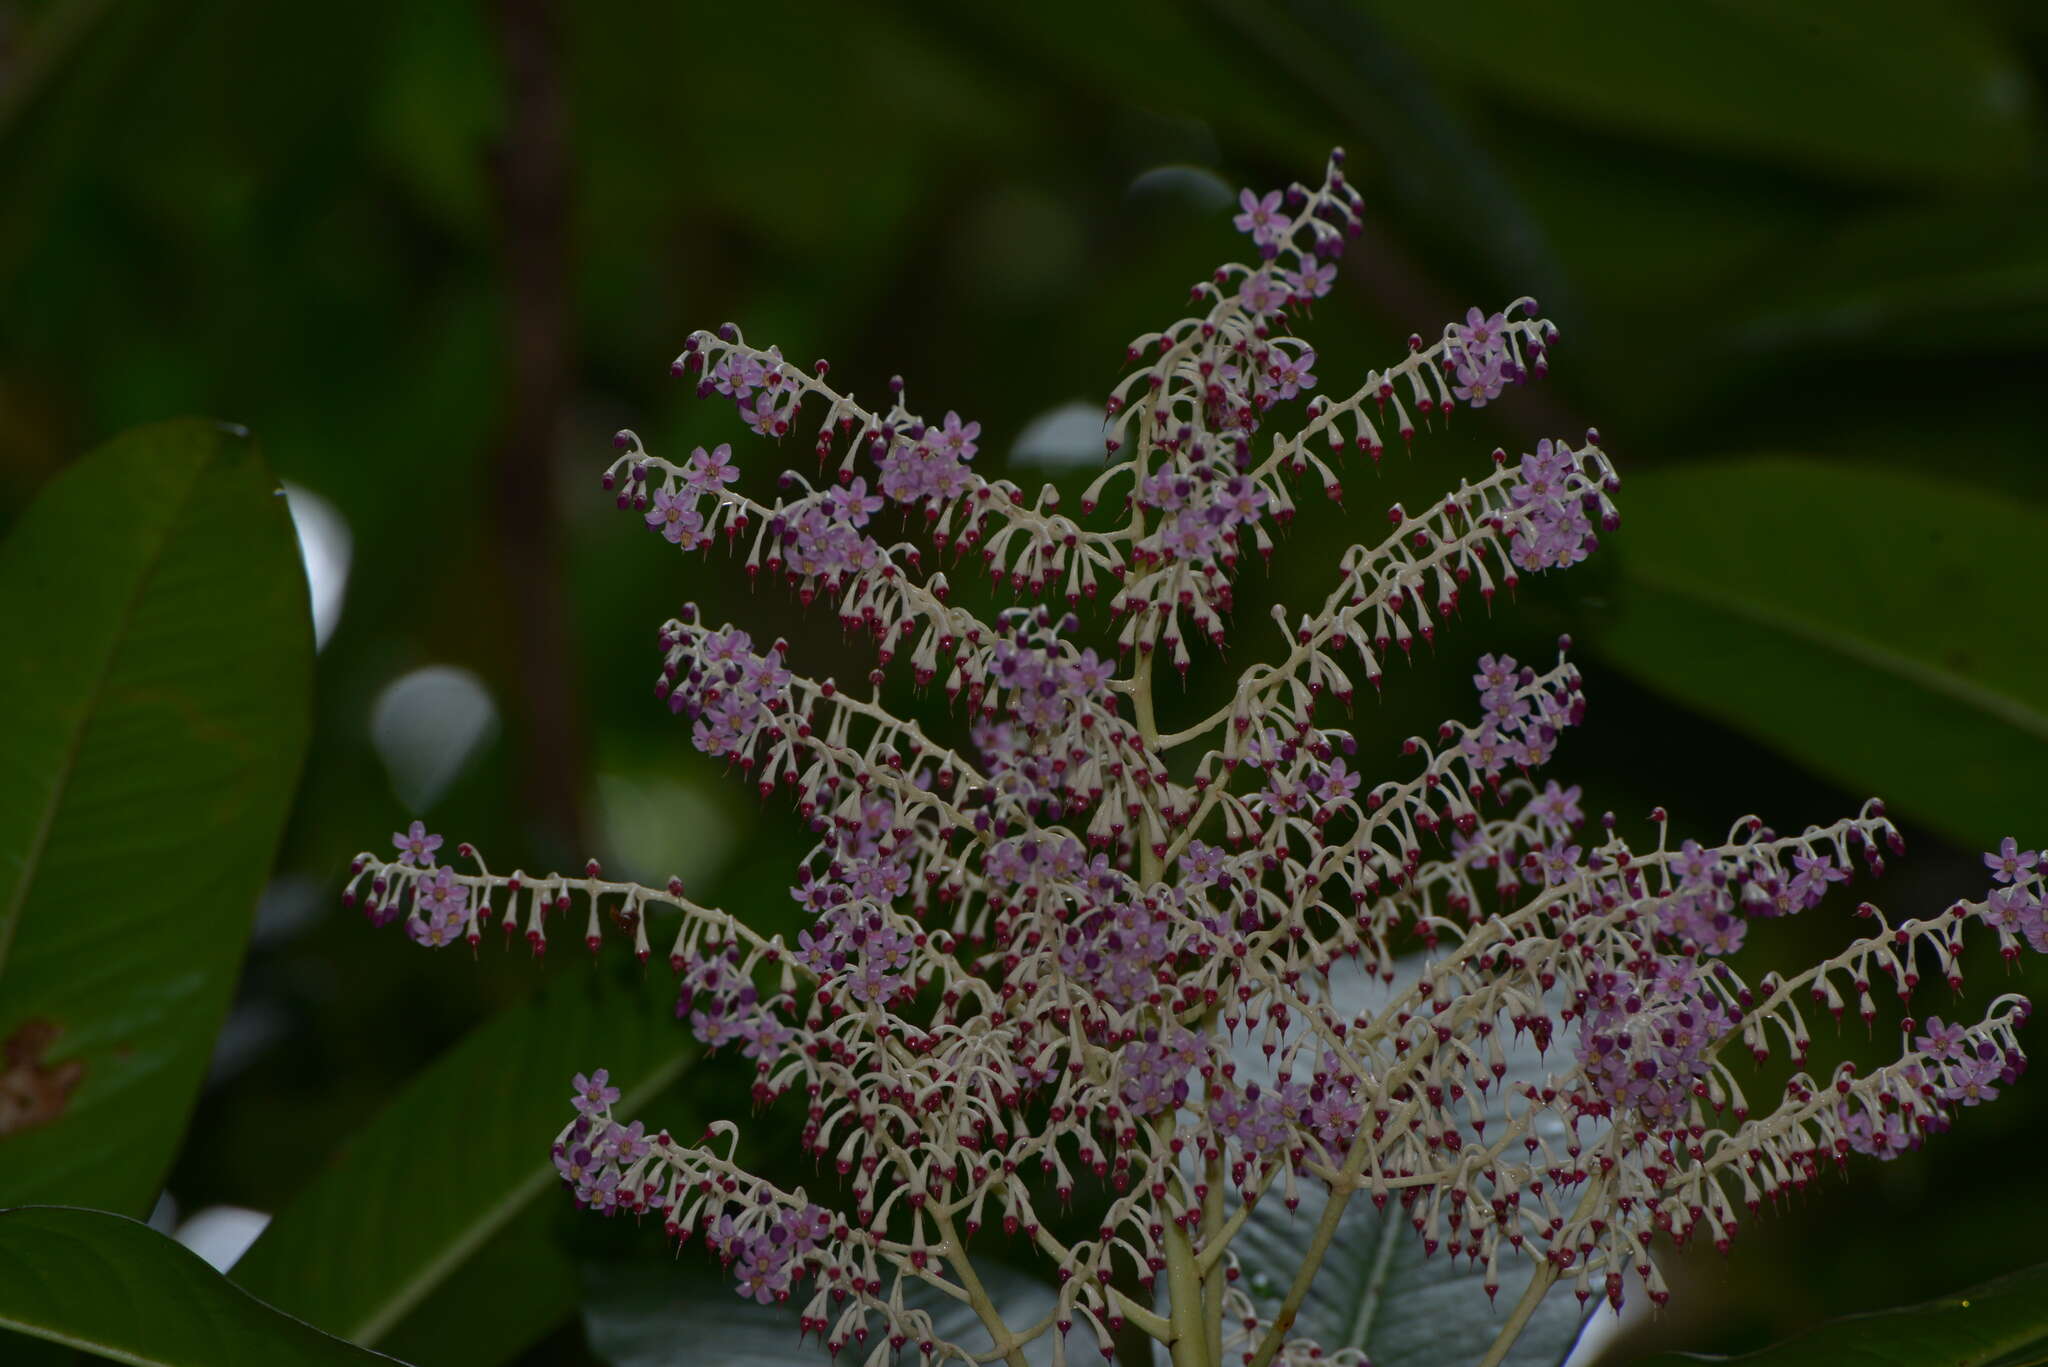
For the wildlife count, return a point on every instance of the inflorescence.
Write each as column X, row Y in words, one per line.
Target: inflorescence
column 1028, row 957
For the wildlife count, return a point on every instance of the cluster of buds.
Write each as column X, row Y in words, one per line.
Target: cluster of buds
column 1059, row 953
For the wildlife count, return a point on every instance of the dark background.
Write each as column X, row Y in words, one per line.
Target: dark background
column 433, row 254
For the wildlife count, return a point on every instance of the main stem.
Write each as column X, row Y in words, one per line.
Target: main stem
column 999, row 1333
column 1539, row 1282
column 1192, row 1334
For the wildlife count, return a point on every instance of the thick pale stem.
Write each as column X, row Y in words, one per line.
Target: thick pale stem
column 1212, row 1233
column 1192, row 1328
column 1311, row 1262
column 1539, row 1283
column 999, row 1333
column 1184, row 1285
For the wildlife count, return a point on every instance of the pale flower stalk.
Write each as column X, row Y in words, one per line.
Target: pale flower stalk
column 1061, row 953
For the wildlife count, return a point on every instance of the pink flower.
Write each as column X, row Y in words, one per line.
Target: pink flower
column 675, row 516
column 1313, row 280
column 709, row 472
column 2011, row 862
column 1260, row 216
column 595, row 1093
column 416, row 847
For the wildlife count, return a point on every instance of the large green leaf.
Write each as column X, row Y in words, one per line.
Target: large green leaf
column 1876, row 284
column 153, row 711
column 443, row 1176
column 1378, row 1290
column 2003, row 1323
column 110, row 1286
column 1812, row 85
column 651, row 1313
column 1874, row 625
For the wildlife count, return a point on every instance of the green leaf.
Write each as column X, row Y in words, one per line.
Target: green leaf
column 517, row 1287
column 1830, row 87
column 1875, row 285
column 108, row 1285
column 1433, row 162
column 1378, row 1289
column 2002, row 1323
column 648, row 1312
column 1871, row 624
column 444, row 1174
column 153, row 712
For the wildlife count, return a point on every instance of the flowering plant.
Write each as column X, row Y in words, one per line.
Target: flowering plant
column 1075, row 950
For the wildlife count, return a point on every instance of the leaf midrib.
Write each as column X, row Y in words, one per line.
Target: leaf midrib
column 2014, row 712
column 436, row 1270
column 11, row 922
column 1375, row 1284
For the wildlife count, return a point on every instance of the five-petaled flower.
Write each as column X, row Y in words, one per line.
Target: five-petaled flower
column 416, row 847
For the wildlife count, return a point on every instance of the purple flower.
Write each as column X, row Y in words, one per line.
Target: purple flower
column 1506, row 708
column 1203, row 865
column 757, row 372
column 625, row 1143
column 709, row 472
column 2018, row 911
column 766, row 414
column 601, row 1193
column 1255, row 1120
column 853, row 504
column 1261, row 293
column 1155, row 1072
column 1694, row 866
column 676, row 517
column 1292, row 374
column 594, row 1094
column 766, row 1038
column 1336, row 783
column 1479, row 382
column 441, row 895
column 1559, row 862
column 1485, row 750
column 1313, row 280
column 1942, row 1040
column 1334, row 1117
column 808, row 1228
column 1555, row 534
column 1974, row 1080
column 443, row 929
column 2006, row 908
column 763, row 1271
column 1544, row 472
column 1881, row 1136
column 1720, row 933
column 954, row 438
column 1495, row 673
column 1649, row 1036
column 416, row 847
column 2009, row 863
column 1811, row 882
column 1480, row 336
column 1261, row 217
column 1557, row 808
column 575, row 1165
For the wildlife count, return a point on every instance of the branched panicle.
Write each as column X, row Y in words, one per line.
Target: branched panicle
column 1058, row 951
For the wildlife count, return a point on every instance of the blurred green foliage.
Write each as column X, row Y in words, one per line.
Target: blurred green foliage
column 1810, row 227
